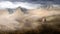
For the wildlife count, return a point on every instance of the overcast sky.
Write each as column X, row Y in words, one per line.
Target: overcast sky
column 36, row 1
column 29, row 4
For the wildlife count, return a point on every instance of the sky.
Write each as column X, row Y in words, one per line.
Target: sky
column 29, row 4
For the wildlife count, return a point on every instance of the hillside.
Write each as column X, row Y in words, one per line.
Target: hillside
column 38, row 21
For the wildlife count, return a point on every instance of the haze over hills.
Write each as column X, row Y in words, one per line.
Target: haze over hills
column 23, row 20
column 56, row 7
column 13, row 10
column 29, row 17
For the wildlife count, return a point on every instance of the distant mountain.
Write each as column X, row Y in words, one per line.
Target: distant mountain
column 23, row 9
column 10, row 10
column 18, row 8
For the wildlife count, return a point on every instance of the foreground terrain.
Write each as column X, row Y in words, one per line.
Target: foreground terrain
column 36, row 21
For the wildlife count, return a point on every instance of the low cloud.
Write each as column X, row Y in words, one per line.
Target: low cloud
column 8, row 4
column 15, row 4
